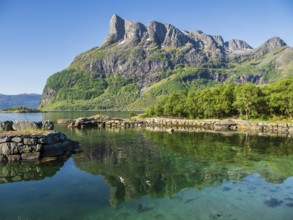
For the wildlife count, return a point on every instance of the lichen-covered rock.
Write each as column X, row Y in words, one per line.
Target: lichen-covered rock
column 25, row 125
column 30, row 156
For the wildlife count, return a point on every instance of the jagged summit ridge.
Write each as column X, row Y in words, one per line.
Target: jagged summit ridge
column 135, row 50
column 128, row 32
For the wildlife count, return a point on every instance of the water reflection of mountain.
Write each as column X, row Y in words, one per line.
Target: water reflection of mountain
column 28, row 171
column 136, row 163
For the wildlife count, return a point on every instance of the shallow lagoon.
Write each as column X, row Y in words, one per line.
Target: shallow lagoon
column 141, row 174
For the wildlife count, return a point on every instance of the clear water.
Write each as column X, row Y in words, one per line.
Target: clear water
column 141, row 174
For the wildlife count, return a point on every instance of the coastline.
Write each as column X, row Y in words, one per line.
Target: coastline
column 173, row 124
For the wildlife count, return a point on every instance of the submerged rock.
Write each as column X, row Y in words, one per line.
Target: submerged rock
column 273, row 202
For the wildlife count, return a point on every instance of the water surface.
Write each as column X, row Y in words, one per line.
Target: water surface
column 141, row 174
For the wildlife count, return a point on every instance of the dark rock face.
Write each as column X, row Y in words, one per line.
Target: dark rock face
column 157, row 32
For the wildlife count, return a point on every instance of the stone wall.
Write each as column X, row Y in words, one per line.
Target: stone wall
column 222, row 125
column 207, row 124
column 101, row 122
column 25, row 125
column 15, row 147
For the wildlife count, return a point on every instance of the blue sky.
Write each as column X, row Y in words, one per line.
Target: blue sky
column 41, row 37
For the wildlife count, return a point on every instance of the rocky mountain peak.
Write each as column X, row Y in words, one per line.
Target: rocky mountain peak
column 219, row 40
column 157, row 32
column 134, row 30
column 274, row 43
column 270, row 45
column 117, row 30
column 174, row 37
column 236, row 45
column 121, row 30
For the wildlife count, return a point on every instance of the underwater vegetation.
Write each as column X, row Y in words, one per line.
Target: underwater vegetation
column 273, row 202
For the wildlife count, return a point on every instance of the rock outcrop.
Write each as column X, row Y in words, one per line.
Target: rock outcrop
column 25, row 125
column 15, row 147
column 26, row 140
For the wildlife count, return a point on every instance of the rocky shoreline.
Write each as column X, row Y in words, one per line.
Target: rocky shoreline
column 16, row 144
column 171, row 124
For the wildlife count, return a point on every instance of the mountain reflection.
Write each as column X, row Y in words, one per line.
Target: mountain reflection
column 139, row 162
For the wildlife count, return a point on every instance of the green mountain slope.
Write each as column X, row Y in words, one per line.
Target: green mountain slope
column 137, row 64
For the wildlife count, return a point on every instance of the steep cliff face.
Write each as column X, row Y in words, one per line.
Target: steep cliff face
column 143, row 56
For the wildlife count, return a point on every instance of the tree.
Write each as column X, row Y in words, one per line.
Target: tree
column 247, row 98
column 280, row 97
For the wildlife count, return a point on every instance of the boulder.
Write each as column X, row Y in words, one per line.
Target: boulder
column 47, row 125
column 25, row 125
column 6, row 125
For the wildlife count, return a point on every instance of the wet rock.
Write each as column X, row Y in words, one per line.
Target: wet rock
column 30, row 156
column 13, row 157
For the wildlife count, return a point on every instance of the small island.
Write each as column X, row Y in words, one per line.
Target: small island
column 20, row 109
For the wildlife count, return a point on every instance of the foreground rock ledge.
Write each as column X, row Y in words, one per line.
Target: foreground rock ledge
column 16, row 144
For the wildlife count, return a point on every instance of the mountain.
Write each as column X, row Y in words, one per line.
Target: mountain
column 25, row 100
column 137, row 63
